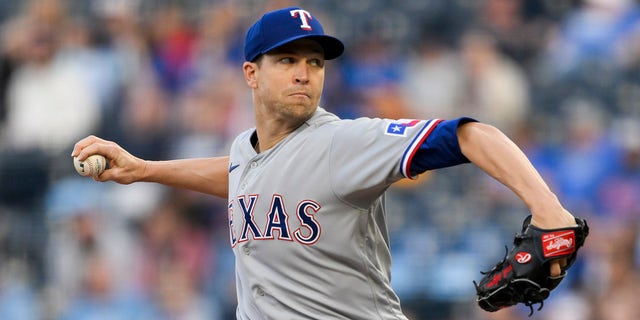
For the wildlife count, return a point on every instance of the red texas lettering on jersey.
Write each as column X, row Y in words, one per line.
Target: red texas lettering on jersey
column 277, row 221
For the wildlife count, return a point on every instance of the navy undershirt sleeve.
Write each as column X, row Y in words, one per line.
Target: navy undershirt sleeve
column 441, row 148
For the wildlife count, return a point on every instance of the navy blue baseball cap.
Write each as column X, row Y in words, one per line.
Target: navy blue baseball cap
column 279, row 27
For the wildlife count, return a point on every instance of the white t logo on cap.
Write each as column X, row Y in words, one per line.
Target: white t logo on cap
column 304, row 17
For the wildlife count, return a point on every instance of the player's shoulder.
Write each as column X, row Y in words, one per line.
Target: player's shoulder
column 322, row 117
column 383, row 126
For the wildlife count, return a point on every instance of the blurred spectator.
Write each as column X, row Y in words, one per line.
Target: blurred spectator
column 178, row 296
column 145, row 119
column 18, row 299
column 11, row 47
column 611, row 281
column 619, row 193
column 172, row 48
column 176, row 247
column 370, row 63
column 591, row 54
column 433, row 79
column 585, row 157
column 218, row 47
column 98, row 299
column 497, row 89
column 605, row 32
column 205, row 118
column 86, row 247
column 518, row 26
column 114, row 43
column 49, row 105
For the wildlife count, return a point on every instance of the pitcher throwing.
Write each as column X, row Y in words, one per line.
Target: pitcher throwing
column 305, row 189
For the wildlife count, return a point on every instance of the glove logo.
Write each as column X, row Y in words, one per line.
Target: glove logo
column 558, row 243
column 523, row 257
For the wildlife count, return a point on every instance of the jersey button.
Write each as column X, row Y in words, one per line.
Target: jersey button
column 246, row 250
column 254, row 165
column 260, row 291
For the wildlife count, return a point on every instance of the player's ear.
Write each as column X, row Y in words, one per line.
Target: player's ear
column 249, row 69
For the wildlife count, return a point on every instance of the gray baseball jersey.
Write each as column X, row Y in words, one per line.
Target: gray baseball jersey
column 307, row 218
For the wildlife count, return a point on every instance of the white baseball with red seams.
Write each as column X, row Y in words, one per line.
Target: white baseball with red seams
column 93, row 165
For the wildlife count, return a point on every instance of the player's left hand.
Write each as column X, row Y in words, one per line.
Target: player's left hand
column 523, row 276
column 563, row 220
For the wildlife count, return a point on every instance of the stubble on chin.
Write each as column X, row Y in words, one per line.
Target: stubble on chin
column 297, row 113
column 299, row 110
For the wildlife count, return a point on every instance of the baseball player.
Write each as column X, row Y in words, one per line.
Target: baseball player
column 305, row 189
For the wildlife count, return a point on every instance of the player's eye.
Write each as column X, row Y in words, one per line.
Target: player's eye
column 317, row 62
column 286, row 60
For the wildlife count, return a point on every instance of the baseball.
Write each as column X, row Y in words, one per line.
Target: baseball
column 94, row 165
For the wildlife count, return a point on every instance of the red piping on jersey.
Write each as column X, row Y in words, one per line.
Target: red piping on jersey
column 416, row 147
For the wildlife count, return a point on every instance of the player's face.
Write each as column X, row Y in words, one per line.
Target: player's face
column 289, row 81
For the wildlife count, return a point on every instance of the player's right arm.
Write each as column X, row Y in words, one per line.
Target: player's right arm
column 206, row 175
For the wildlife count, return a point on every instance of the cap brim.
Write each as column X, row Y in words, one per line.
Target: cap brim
column 332, row 47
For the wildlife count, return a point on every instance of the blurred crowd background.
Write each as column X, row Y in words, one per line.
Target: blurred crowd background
column 163, row 79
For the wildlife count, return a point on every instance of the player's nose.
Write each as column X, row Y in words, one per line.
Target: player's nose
column 301, row 74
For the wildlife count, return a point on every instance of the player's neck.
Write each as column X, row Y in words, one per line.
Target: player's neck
column 262, row 141
column 270, row 131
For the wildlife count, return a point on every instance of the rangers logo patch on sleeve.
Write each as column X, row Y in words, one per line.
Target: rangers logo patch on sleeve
column 399, row 127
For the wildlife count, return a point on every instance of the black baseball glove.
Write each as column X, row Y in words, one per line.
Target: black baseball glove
column 523, row 276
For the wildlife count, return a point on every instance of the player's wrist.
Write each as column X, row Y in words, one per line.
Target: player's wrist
column 145, row 172
column 552, row 217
